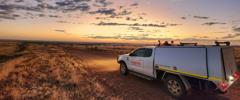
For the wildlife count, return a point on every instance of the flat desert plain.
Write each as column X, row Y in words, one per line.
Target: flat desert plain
column 80, row 72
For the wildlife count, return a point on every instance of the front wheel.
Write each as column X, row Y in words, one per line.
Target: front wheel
column 123, row 68
column 175, row 87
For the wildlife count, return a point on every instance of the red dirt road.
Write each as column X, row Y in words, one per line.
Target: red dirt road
column 104, row 66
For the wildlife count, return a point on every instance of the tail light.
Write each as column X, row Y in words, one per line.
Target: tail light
column 236, row 75
column 223, row 85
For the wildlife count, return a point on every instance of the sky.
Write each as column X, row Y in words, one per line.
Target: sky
column 120, row 20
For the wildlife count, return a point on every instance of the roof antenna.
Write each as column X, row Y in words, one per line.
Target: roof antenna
column 159, row 43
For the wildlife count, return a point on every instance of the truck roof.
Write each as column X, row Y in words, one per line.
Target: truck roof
column 150, row 47
column 199, row 46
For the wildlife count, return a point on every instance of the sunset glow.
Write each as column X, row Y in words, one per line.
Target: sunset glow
column 120, row 20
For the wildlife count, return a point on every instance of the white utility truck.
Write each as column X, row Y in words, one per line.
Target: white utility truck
column 183, row 67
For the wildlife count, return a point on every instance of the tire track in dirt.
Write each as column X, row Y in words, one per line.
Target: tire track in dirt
column 104, row 66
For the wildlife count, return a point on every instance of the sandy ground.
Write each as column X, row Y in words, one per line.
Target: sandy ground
column 51, row 72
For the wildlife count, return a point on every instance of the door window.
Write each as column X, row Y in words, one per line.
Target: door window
column 143, row 52
column 148, row 52
column 138, row 53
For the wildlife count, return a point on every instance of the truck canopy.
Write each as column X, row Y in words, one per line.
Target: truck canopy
column 208, row 62
column 187, row 60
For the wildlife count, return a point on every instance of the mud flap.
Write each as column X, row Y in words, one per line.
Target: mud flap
column 185, row 82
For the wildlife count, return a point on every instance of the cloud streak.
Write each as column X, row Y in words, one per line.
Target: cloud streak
column 213, row 23
column 229, row 36
column 136, row 28
column 135, row 24
column 104, row 11
column 102, row 3
column 62, row 31
column 134, row 4
column 73, row 5
column 201, row 17
column 236, row 34
column 236, row 29
column 129, row 37
column 111, row 13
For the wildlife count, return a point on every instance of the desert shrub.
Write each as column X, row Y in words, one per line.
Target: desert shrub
column 21, row 46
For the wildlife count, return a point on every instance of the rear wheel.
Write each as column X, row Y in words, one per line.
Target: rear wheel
column 175, row 87
column 123, row 68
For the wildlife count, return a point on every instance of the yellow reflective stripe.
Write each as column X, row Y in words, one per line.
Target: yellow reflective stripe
column 182, row 72
column 191, row 74
column 215, row 79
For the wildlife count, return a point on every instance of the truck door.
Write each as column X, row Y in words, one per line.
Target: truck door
column 136, row 60
column 148, row 62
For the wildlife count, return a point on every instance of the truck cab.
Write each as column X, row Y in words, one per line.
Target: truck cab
column 140, row 60
column 183, row 67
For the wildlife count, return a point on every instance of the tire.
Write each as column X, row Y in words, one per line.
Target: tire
column 123, row 69
column 175, row 87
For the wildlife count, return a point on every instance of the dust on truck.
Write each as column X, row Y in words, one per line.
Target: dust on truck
column 183, row 67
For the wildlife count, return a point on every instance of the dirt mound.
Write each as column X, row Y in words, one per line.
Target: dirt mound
column 47, row 72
